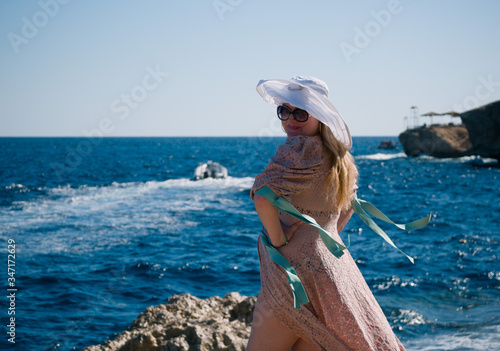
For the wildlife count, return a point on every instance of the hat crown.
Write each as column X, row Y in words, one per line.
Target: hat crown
column 310, row 94
column 312, row 83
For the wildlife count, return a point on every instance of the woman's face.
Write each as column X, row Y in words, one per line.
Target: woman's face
column 294, row 128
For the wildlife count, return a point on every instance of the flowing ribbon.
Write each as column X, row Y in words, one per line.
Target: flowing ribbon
column 299, row 294
column 359, row 206
column 281, row 204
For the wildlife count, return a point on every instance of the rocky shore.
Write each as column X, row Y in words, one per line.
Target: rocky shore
column 478, row 135
column 186, row 322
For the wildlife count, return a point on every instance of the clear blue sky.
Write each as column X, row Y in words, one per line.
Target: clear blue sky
column 190, row 69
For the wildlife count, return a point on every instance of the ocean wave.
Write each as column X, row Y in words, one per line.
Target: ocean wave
column 18, row 187
column 483, row 339
column 229, row 182
column 464, row 159
column 78, row 218
column 381, row 156
column 426, row 158
column 93, row 199
column 393, row 281
column 19, row 192
column 244, row 183
column 409, row 317
column 21, row 188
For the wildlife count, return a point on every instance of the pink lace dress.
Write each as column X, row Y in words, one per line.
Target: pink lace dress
column 342, row 313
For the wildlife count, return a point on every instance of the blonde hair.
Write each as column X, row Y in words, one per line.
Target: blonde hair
column 343, row 174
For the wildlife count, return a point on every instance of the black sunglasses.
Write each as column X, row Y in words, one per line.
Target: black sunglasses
column 298, row 114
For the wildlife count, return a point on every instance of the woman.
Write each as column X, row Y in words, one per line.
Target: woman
column 313, row 171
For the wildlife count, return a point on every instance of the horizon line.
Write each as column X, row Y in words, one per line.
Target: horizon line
column 174, row 136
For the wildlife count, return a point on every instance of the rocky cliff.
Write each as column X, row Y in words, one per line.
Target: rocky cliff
column 479, row 135
column 483, row 125
column 436, row 140
column 186, row 323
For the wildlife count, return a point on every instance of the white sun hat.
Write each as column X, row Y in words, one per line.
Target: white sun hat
column 310, row 94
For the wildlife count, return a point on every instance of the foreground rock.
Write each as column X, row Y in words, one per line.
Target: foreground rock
column 483, row 125
column 437, row 141
column 188, row 323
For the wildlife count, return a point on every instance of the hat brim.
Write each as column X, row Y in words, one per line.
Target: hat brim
column 276, row 92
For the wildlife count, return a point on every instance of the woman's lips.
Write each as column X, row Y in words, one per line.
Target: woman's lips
column 293, row 127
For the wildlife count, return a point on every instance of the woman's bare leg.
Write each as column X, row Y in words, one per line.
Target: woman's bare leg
column 268, row 333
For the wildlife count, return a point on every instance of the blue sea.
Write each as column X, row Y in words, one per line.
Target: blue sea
column 104, row 228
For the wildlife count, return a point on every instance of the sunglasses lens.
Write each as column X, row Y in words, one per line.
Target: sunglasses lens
column 300, row 115
column 283, row 113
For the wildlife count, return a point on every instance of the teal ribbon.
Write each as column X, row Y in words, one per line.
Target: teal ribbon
column 359, row 206
column 281, row 204
column 299, row 294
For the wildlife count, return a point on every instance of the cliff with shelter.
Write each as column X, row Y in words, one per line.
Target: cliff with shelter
column 479, row 134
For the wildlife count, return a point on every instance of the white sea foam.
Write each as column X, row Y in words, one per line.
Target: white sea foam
column 485, row 339
column 381, row 156
column 427, row 158
column 13, row 186
column 21, row 188
column 410, row 317
column 464, row 159
column 229, row 182
column 98, row 198
column 395, row 281
column 111, row 214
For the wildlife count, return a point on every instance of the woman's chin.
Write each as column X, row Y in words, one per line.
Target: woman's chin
column 294, row 132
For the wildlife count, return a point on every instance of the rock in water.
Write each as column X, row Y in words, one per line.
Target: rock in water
column 436, row 140
column 189, row 323
column 479, row 135
column 483, row 124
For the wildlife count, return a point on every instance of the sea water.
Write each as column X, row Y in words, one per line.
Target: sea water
column 104, row 228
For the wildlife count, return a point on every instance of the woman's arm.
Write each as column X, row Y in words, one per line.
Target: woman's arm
column 345, row 215
column 268, row 215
